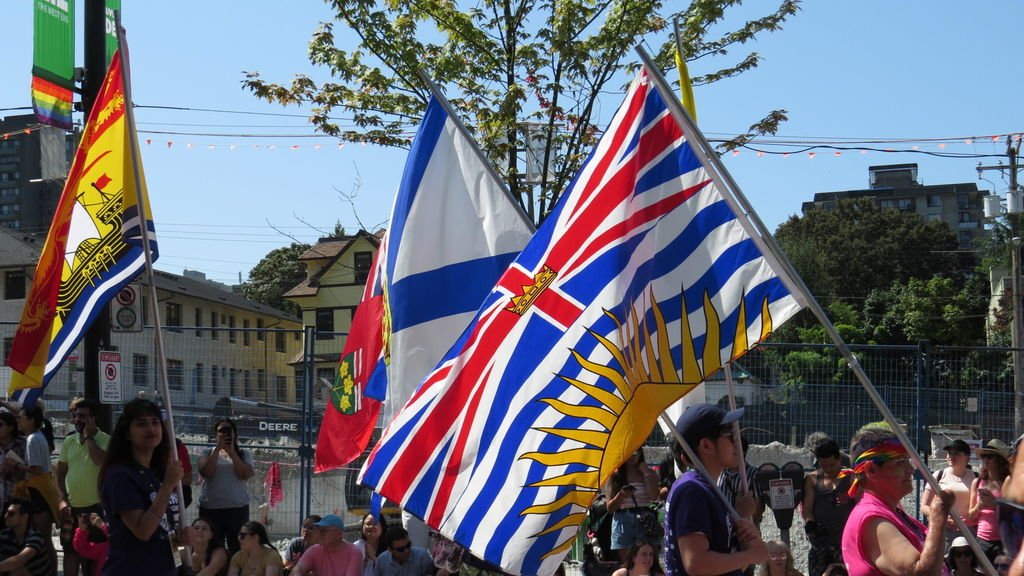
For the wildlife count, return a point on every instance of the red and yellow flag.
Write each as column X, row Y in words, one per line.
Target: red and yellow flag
column 94, row 245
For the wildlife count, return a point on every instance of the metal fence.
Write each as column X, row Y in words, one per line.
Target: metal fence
column 275, row 382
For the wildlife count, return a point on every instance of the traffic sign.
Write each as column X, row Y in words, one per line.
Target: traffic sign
column 110, row 378
column 126, row 309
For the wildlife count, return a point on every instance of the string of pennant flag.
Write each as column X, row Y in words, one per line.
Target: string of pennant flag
column 809, row 147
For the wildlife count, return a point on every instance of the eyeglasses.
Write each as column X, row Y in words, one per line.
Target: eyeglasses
column 401, row 548
column 1001, row 565
column 1011, row 525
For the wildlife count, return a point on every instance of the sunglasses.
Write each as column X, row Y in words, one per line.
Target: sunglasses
column 961, row 554
column 223, row 430
column 401, row 548
column 1011, row 525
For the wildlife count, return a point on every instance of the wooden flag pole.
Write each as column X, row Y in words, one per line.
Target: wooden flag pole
column 141, row 204
column 787, row 273
column 737, row 436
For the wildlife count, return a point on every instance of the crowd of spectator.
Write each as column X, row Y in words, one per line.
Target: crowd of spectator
column 851, row 507
column 115, row 500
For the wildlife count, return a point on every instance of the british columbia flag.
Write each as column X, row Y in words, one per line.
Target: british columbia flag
column 580, row 345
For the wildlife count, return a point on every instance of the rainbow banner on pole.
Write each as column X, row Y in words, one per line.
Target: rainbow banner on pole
column 53, row 62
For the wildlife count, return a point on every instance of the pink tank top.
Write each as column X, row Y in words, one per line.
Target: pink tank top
column 988, row 524
column 869, row 506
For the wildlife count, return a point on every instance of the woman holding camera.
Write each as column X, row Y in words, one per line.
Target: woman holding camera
column 630, row 491
column 225, row 498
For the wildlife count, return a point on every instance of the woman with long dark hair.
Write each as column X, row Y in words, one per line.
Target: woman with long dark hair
column 371, row 541
column 225, row 469
column 256, row 555
column 208, row 558
column 138, row 483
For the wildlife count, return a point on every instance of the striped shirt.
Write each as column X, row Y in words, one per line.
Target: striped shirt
column 38, row 565
column 729, row 484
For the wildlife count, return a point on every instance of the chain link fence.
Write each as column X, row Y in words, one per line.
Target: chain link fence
column 275, row 384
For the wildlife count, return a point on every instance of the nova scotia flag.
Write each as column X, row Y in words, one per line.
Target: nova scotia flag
column 454, row 230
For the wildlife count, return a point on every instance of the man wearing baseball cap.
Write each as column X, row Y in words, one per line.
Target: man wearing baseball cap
column 701, row 536
column 332, row 556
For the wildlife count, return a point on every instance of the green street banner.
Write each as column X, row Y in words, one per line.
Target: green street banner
column 112, row 6
column 53, row 62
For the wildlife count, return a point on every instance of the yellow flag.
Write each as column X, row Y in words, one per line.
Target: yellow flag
column 685, row 87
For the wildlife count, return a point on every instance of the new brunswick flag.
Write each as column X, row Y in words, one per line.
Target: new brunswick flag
column 94, row 246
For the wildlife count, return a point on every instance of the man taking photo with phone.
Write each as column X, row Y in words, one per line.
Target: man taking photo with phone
column 78, row 468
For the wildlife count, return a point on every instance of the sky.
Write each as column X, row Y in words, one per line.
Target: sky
column 935, row 74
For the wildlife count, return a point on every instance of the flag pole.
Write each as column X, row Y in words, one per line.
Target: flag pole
column 760, row 234
column 737, row 436
column 140, row 200
column 476, row 148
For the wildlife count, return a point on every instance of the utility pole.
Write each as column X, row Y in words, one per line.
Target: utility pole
column 1014, row 207
column 97, row 337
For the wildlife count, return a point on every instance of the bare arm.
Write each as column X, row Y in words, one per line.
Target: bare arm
column 300, row 568
column 926, row 500
column 974, row 504
column 243, row 469
column 208, row 463
column 96, row 452
column 894, row 555
column 218, row 560
column 615, row 500
column 807, row 510
column 272, row 570
column 699, row 560
column 62, row 476
column 17, row 561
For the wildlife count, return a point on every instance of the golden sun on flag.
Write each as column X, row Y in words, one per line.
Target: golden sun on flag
column 646, row 381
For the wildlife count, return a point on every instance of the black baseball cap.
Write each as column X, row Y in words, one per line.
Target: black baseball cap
column 957, row 445
column 703, row 421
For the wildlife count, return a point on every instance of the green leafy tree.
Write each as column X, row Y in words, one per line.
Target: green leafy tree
column 517, row 72
column 864, row 248
column 278, row 272
column 934, row 309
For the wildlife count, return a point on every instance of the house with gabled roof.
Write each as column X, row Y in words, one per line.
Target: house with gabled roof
column 336, row 272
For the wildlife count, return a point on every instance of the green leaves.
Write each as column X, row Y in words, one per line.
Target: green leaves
column 504, row 64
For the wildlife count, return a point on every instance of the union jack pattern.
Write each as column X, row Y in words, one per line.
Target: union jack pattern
column 579, row 347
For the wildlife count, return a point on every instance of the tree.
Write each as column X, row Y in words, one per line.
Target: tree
column 278, row 272
column 515, row 70
column 934, row 309
column 862, row 248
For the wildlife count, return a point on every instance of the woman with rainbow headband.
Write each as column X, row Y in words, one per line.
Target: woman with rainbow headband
column 880, row 538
